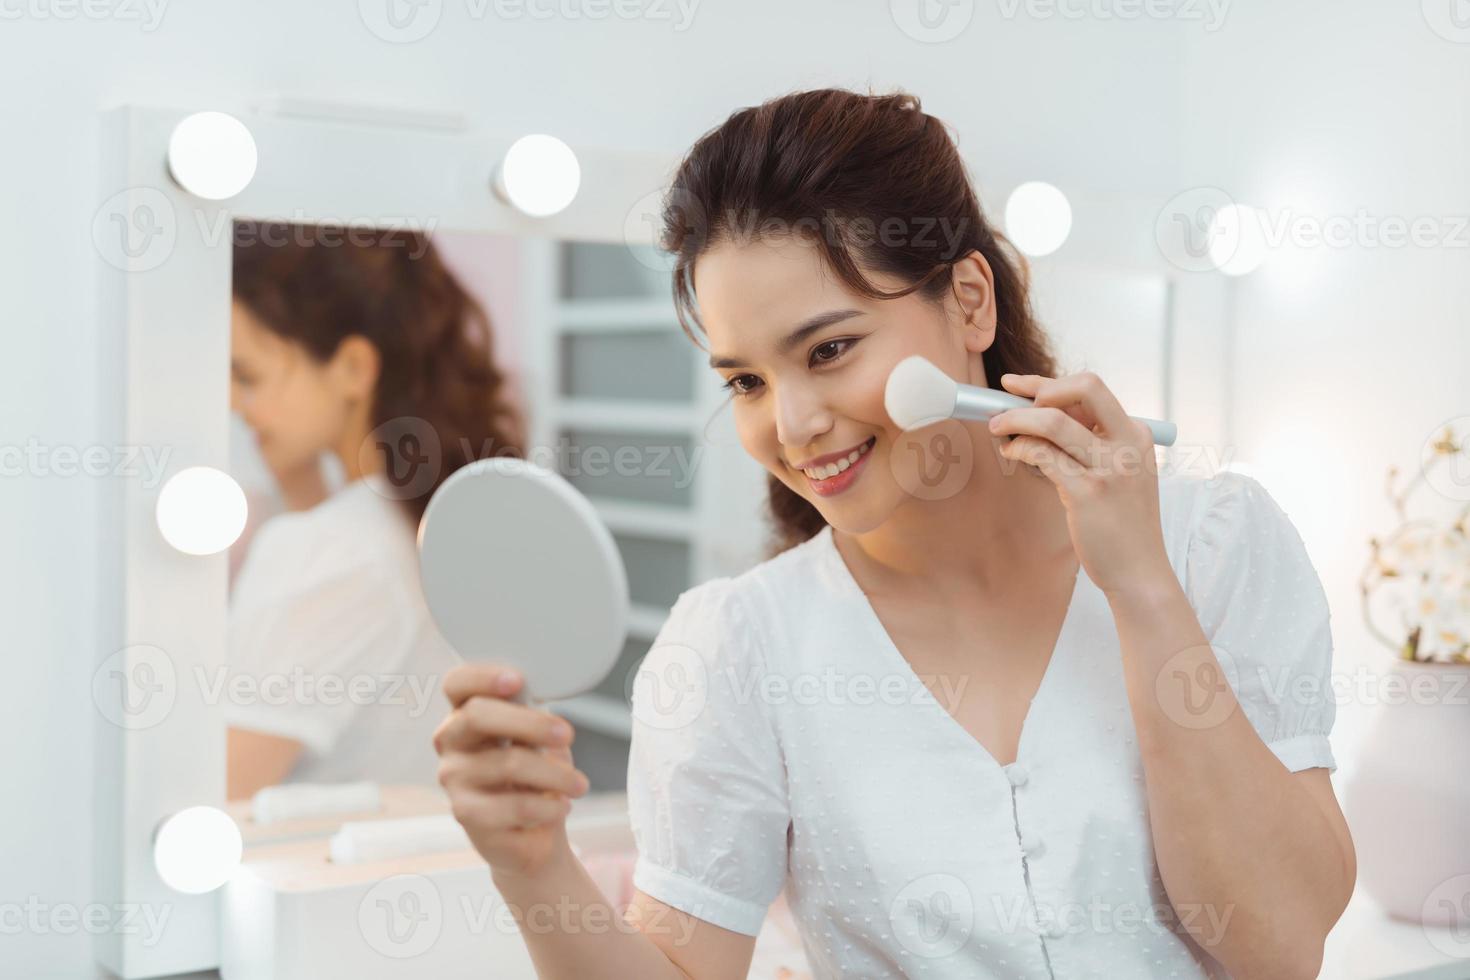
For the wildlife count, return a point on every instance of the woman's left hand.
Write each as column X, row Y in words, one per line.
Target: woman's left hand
column 1103, row 466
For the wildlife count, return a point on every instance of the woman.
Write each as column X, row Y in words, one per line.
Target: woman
column 1015, row 755
column 368, row 349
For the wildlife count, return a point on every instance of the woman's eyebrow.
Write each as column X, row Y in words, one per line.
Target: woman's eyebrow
column 808, row 327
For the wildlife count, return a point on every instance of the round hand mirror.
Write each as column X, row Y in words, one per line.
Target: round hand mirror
column 517, row 568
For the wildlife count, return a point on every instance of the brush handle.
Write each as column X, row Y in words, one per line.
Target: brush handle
column 980, row 404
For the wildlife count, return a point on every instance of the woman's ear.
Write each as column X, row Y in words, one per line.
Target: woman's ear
column 355, row 367
column 973, row 288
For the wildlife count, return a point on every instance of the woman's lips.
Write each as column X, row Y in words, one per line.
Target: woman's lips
column 836, row 484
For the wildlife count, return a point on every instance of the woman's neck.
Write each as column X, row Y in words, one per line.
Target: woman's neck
column 352, row 452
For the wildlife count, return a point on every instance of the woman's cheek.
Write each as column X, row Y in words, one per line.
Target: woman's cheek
column 757, row 446
column 873, row 386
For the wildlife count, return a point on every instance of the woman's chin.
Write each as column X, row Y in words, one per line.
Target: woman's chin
column 857, row 514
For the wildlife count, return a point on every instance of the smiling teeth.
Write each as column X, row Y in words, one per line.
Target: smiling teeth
column 832, row 469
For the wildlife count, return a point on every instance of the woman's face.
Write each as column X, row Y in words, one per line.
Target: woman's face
column 807, row 361
column 297, row 406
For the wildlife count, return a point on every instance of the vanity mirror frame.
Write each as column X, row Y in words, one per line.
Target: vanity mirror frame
column 163, row 266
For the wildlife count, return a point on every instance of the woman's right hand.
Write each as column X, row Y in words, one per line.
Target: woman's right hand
column 508, row 774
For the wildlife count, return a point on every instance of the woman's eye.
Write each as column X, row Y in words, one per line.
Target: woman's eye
column 741, row 384
column 835, row 349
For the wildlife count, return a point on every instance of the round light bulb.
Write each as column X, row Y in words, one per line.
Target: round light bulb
column 1237, row 239
column 1038, row 218
column 197, row 849
column 539, row 175
column 201, row 510
column 212, row 155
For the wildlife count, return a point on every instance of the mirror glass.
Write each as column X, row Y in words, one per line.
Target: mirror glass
column 367, row 366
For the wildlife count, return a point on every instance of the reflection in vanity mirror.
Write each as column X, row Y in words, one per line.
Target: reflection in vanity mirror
column 366, row 367
column 363, row 372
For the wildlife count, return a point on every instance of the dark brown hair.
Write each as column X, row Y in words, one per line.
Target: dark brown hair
column 316, row 285
column 877, row 184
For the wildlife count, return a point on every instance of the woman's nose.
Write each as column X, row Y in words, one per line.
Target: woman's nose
column 801, row 416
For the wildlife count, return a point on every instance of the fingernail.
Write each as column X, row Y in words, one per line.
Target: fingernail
column 507, row 682
column 561, row 731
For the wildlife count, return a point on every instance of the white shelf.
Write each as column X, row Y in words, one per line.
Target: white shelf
column 637, row 416
column 645, row 620
column 616, row 315
column 647, row 520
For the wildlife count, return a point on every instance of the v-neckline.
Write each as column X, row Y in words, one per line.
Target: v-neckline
column 893, row 653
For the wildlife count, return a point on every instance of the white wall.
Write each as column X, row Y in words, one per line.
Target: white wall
column 1139, row 107
column 1348, row 358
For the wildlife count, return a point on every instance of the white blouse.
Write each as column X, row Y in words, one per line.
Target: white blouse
column 332, row 644
column 780, row 739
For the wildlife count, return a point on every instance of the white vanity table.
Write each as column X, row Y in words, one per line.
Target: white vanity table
column 1366, row 945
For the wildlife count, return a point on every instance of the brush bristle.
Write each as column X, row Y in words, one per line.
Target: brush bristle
column 919, row 394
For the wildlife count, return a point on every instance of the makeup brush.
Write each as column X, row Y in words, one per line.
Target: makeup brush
column 919, row 394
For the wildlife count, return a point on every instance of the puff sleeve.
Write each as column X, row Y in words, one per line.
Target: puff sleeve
column 707, row 791
column 1261, row 602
